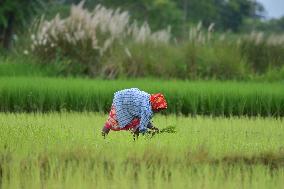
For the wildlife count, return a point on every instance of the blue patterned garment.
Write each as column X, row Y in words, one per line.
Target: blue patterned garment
column 133, row 103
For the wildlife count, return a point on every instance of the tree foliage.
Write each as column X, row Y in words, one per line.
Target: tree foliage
column 273, row 25
column 158, row 13
column 15, row 13
column 179, row 14
column 226, row 14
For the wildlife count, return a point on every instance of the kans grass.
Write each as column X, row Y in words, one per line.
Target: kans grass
column 66, row 150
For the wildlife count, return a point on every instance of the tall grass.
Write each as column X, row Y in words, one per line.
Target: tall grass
column 67, row 151
column 106, row 42
column 195, row 98
column 263, row 52
column 84, row 37
column 94, row 47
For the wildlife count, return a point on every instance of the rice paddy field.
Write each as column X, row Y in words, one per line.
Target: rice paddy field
column 229, row 134
column 215, row 98
column 66, row 150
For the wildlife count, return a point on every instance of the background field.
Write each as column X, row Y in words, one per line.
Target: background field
column 66, row 150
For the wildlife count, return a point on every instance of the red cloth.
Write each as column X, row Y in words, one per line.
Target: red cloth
column 158, row 101
column 112, row 123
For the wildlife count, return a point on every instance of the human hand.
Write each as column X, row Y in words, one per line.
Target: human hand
column 135, row 134
column 155, row 129
column 105, row 132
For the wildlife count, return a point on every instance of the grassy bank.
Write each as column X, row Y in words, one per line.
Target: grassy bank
column 21, row 65
column 67, row 151
column 37, row 94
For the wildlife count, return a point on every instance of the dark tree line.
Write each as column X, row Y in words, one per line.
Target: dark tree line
column 274, row 25
column 226, row 14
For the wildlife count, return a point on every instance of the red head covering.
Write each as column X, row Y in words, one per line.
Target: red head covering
column 158, row 101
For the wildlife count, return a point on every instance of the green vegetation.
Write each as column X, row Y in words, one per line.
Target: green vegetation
column 25, row 66
column 228, row 15
column 14, row 14
column 66, row 150
column 269, row 26
column 50, row 136
column 95, row 48
column 200, row 97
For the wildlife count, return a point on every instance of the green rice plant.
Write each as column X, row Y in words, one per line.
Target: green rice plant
column 66, row 150
column 38, row 94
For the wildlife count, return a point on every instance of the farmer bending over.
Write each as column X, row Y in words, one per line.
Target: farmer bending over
column 133, row 109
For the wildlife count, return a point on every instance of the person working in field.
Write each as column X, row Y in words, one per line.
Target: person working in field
column 132, row 109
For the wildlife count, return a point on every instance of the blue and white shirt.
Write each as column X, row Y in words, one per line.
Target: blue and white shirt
column 133, row 103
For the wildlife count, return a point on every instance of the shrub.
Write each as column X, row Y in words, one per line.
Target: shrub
column 211, row 56
column 147, row 59
column 221, row 61
column 203, row 55
column 272, row 74
column 263, row 52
